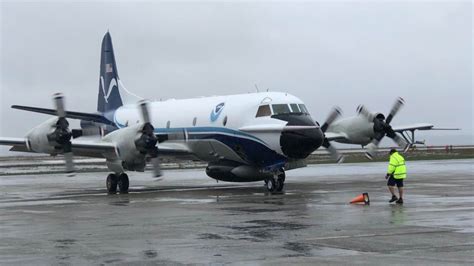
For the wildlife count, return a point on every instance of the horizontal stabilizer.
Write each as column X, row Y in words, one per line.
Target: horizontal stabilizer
column 74, row 115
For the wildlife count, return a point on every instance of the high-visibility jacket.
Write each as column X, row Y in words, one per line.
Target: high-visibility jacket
column 396, row 166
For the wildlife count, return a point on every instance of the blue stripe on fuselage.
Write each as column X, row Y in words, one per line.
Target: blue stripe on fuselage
column 248, row 147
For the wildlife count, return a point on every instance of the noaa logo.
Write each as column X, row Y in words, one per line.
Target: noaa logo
column 217, row 111
column 113, row 83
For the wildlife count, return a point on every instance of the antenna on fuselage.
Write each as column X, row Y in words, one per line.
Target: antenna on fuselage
column 256, row 87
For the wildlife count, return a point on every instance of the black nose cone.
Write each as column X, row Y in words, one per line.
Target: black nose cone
column 299, row 144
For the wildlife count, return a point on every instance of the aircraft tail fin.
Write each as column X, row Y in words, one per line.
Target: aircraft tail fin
column 109, row 98
column 112, row 92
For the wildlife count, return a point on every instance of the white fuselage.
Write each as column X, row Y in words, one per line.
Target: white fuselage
column 237, row 111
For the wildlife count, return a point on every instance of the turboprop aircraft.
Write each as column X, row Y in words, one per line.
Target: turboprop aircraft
column 244, row 138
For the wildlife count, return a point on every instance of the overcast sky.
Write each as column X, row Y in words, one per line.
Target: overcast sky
column 327, row 53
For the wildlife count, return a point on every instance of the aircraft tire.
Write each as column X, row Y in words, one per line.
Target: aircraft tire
column 280, row 182
column 271, row 184
column 111, row 183
column 123, row 183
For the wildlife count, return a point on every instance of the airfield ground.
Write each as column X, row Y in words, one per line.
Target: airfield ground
column 187, row 218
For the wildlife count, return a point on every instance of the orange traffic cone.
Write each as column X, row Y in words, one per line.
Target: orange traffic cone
column 364, row 197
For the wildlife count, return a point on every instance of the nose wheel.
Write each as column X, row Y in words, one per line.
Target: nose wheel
column 113, row 181
column 276, row 182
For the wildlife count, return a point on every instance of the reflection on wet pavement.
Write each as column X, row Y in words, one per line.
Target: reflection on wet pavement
column 187, row 218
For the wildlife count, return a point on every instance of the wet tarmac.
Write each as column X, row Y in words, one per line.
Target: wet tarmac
column 188, row 218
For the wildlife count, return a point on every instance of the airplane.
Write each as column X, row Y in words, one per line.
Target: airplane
column 244, row 138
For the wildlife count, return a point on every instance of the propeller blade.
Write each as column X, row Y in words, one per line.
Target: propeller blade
column 401, row 142
column 144, row 111
column 58, row 99
column 372, row 149
column 335, row 113
column 339, row 158
column 62, row 134
column 150, row 139
column 396, row 138
column 155, row 161
column 362, row 110
column 395, row 108
column 68, row 158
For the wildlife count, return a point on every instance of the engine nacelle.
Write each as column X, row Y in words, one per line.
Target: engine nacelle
column 38, row 137
column 234, row 172
column 127, row 152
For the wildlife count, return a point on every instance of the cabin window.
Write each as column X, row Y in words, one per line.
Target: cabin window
column 295, row 108
column 168, row 124
column 280, row 109
column 194, row 121
column 224, row 122
column 264, row 110
column 303, row 109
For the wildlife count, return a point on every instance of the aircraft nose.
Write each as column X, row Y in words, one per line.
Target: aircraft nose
column 298, row 144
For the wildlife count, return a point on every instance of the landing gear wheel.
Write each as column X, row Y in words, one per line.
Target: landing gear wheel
column 271, row 184
column 111, row 183
column 280, row 181
column 123, row 183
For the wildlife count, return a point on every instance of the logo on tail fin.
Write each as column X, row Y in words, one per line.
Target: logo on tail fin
column 113, row 83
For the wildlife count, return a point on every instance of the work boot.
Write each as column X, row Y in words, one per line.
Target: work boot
column 399, row 201
column 394, row 198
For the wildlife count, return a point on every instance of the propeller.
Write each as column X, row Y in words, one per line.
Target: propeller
column 335, row 113
column 62, row 135
column 383, row 128
column 147, row 141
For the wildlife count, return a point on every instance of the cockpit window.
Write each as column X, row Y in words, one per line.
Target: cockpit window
column 303, row 109
column 280, row 109
column 295, row 108
column 264, row 110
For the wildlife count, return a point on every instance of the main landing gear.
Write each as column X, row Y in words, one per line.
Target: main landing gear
column 276, row 182
column 120, row 181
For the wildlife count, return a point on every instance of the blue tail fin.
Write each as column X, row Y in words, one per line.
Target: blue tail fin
column 109, row 96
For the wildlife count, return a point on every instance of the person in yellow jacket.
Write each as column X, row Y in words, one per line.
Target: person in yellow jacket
column 396, row 172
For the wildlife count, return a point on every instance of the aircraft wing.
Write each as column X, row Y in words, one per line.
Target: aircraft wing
column 94, row 149
column 75, row 115
column 173, row 148
column 97, row 148
column 81, row 148
column 419, row 126
column 13, row 141
column 335, row 136
column 108, row 150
